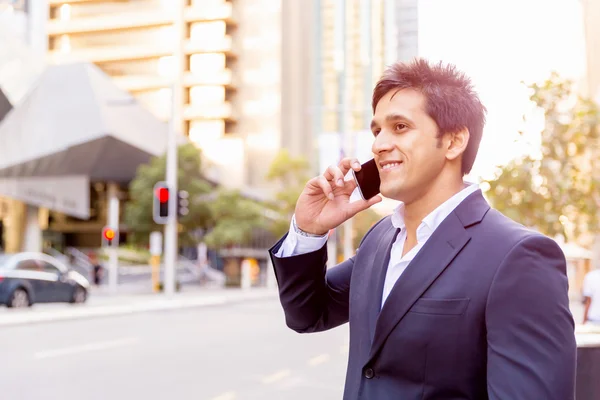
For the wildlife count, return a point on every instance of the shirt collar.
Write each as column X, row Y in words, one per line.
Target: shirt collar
column 431, row 222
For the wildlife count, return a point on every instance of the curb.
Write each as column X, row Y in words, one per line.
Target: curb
column 83, row 312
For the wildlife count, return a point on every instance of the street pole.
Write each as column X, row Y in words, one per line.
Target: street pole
column 171, row 225
column 113, row 222
column 366, row 52
column 171, row 178
column 344, row 115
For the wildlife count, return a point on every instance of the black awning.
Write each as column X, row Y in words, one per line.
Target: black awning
column 5, row 105
column 76, row 121
column 104, row 159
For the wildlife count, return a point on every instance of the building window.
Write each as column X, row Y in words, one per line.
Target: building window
column 207, row 63
column 207, row 95
column 207, row 32
column 203, row 133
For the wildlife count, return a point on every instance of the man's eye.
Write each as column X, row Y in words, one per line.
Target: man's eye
column 401, row 127
column 376, row 132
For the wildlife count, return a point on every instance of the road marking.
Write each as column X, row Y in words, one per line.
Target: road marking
column 84, row 348
column 320, row 359
column 277, row 376
column 225, row 396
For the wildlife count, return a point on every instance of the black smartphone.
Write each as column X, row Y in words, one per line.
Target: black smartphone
column 367, row 180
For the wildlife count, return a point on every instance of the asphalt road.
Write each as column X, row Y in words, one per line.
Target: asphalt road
column 233, row 352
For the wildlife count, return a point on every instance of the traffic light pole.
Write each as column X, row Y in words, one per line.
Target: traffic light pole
column 113, row 222
column 171, row 225
column 175, row 125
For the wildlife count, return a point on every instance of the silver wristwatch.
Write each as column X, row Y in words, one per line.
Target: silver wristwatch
column 303, row 233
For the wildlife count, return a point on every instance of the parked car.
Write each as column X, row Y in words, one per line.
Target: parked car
column 28, row 278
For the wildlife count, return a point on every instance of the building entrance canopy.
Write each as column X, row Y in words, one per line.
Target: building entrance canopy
column 5, row 105
column 74, row 127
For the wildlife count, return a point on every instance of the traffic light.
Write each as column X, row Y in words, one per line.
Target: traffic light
column 160, row 207
column 182, row 203
column 109, row 235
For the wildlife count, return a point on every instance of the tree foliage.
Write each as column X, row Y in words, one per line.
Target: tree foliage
column 559, row 192
column 138, row 211
column 234, row 219
column 218, row 216
column 291, row 174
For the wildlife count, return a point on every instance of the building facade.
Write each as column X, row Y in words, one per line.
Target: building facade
column 591, row 16
column 225, row 73
column 242, row 79
column 355, row 41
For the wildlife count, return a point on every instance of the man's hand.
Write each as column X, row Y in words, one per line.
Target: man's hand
column 324, row 203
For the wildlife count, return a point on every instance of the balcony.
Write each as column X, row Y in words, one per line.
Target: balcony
column 61, row 2
column 221, row 111
column 128, row 53
column 223, row 12
column 108, row 54
column 139, row 83
column 221, row 78
column 222, row 45
column 141, row 19
column 113, row 22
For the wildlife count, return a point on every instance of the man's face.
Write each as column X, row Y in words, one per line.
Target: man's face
column 407, row 149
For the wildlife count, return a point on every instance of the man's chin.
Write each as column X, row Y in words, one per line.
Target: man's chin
column 393, row 193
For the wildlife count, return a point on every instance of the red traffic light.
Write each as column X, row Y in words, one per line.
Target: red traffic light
column 162, row 193
column 108, row 234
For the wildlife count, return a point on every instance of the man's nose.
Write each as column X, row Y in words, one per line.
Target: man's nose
column 382, row 143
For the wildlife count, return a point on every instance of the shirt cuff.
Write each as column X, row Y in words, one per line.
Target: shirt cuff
column 296, row 244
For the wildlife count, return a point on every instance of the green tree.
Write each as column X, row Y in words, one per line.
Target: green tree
column 234, row 218
column 559, row 192
column 138, row 211
column 291, row 174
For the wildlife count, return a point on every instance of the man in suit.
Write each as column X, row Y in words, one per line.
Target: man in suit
column 446, row 298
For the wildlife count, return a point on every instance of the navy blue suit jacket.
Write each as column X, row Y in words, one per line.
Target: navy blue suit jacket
column 481, row 312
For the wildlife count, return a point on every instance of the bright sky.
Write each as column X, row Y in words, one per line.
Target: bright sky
column 500, row 44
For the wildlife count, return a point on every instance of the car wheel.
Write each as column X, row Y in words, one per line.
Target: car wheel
column 79, row 296
column 19, row 299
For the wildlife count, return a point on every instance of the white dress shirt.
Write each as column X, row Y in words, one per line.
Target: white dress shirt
column 296, row 244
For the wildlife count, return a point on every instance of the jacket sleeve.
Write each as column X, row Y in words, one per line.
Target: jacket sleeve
column 314, row 298
column 530, row 329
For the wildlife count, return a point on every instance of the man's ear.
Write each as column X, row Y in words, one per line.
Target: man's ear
column 457, row 144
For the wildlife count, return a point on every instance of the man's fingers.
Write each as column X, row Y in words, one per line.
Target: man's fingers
column 362, row 205
column 333, row 173
column 350, row 185
column 325, row 187
column 349, row 163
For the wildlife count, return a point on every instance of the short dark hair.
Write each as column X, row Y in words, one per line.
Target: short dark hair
column 451, row 100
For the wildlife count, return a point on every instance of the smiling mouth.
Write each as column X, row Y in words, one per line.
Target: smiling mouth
column 391, row 165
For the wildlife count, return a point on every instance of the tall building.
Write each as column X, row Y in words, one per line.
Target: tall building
column 242, row 79
column 407, row 34
column 591, row 16
column 353, row 42
column 225, row 73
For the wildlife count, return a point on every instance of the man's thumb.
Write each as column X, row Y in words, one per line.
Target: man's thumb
column 362, row 205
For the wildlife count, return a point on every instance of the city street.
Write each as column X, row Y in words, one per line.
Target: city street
column 229, row 352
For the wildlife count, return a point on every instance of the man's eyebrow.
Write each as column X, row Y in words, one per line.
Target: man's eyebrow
column 391, row 118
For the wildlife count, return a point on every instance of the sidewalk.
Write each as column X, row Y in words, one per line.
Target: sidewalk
column 101, row 303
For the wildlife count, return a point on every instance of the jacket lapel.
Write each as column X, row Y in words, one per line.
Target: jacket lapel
column 380, row 264
column 439, row 251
